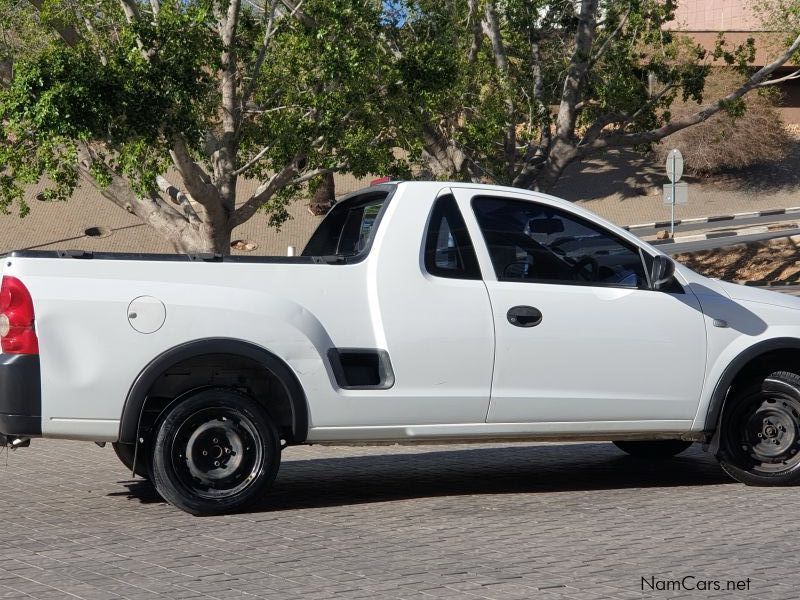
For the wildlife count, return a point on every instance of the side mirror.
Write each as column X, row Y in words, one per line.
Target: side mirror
column 662, row 271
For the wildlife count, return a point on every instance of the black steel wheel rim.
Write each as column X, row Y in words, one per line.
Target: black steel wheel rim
column 766, row 430
column 217, row 453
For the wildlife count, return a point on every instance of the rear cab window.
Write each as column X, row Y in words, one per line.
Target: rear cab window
column 448, row 248
column 349, row 228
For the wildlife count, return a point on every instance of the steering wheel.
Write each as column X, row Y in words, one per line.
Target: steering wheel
column 579, row 268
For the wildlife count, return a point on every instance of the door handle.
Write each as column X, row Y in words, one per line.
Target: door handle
column 524, row 316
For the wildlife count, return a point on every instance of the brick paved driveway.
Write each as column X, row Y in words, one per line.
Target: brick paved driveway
column 481, row 521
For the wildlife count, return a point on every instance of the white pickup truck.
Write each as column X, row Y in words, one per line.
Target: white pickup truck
column 417, row 311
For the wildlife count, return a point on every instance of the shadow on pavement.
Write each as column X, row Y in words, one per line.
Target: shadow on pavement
column 630, row 174
column 351, row 480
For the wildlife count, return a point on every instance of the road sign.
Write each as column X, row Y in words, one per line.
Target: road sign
column 675, row 193
column 674, row 165
column 680, row 191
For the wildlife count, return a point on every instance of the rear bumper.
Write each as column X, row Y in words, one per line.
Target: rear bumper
column 20, row 396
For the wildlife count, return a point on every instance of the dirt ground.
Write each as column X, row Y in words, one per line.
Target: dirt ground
column 763, row 262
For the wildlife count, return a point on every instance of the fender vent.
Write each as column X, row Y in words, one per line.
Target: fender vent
column 361, row 368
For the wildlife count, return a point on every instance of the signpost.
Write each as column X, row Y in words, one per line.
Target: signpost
column 675, row 192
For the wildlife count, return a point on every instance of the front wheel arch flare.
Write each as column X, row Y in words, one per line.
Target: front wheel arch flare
column 748, row 357
column 137, row 395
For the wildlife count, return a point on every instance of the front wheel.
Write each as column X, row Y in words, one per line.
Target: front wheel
column 760, row 432
column 653, row 449
column 214, row 452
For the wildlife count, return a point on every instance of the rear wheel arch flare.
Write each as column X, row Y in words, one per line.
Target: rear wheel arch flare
column 251, row 353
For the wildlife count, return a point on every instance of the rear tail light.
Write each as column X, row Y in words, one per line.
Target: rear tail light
column 17, row 333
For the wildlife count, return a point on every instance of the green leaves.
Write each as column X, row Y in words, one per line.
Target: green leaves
column 342, row 84
column 502, row 120
column 106, row 92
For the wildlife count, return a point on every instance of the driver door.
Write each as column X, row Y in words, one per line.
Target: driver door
column 580, row 336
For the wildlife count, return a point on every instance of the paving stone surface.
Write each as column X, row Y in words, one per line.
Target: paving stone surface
column 501, row 521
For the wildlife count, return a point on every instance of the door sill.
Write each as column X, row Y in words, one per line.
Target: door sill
column 484, row 432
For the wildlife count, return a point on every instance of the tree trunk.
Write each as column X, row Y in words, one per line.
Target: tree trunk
column 561, row 154
column 325, row 196
column 443, row 159
column 6, row 71
column 202, row 239
column 196, row 230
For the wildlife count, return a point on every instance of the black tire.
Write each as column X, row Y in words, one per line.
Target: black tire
column 760, row 432
column 214, row 452
column 125, row 454
column 653, row 449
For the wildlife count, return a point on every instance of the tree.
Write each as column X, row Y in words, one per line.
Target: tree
column 608, row 67
column 164, row 105
column 725, row 141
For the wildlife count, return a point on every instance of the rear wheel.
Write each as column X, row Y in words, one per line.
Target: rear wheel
column 760, row 432
column 653, row 449
column 214, row 452
column 127, row 453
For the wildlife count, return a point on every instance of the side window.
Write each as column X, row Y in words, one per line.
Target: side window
column 448, row 247
column 348, row 227
column 357, row 228
column 539, row 243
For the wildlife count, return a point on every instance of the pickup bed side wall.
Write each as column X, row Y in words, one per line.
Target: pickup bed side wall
column 91, row 354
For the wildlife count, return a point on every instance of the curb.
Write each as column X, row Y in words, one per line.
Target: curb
column 717, row 218
column 789, row 231
column 768, row 284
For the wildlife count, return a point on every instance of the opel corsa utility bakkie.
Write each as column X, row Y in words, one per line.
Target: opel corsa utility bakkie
column 417, row 311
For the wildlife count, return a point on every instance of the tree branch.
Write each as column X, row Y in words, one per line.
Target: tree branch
column 476, row 31
column 607, row 43
column 579, row 64
column 536, row 153
column 132, row 15
column 131, row 10
column 179, row 198
column 6, row 71
column 294, row 11
column 789, row 77
column 491, row 27
column 596, row 128
column 228, row 22
column 269, row 31
column 253, row 160
column 316, row 173
column 152, row 209
column 224, row 159
column 195, row 179
column 93, row 33
column 265, row 191
column 68, row 33
column 654, row 135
